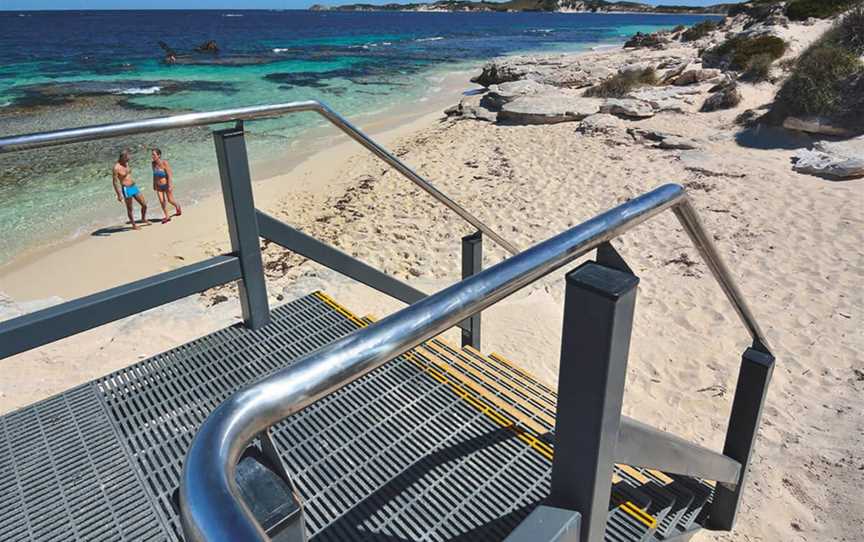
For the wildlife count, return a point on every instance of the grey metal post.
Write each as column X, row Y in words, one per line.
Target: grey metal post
column 753, row 380
column 598, row 318
column 472, row 263
column 242, row 223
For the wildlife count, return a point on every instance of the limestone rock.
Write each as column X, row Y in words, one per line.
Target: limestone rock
column 470, row 107
column 696, row 75
column 674, row 142
column 815, row 125
column 665, row 98
column 600, row 124
column 547, row 108
column 726, row 97
column 499, row 95
column 629, row 108
column 500, row 71
column 836, row 160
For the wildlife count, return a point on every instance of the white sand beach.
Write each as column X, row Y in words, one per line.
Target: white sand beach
column 793, row 241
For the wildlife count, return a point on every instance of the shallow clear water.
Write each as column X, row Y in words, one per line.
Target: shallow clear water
column 64, row 69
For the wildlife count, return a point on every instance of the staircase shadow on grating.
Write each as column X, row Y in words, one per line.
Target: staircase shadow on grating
column 352, row 522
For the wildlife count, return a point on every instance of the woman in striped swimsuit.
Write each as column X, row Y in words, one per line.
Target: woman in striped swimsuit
column 163, row 184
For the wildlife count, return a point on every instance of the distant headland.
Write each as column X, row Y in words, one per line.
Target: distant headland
column 563, row 6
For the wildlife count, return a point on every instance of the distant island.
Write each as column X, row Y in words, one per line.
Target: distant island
column 563, row 6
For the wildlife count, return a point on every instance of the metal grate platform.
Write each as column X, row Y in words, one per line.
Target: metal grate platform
column 438, row 444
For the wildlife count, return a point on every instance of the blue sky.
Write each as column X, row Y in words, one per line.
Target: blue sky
column 230, row 4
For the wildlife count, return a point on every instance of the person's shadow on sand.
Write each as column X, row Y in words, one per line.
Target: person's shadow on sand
column 111, row 230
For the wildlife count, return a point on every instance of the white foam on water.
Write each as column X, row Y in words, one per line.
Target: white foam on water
column 280, row 50
column 138, row 90
column 436, row 38
column 232, row 15
column 542, row 30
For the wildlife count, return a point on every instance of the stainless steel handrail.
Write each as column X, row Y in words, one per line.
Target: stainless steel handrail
column 210, row 504
column 159, row 124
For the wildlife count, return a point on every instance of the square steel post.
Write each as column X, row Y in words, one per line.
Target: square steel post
column 753, row 380
column 598, row 318
column 242, row 223
column 472, row 263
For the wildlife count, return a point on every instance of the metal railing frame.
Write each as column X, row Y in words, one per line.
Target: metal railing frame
column 41, row 327
column 211, row 508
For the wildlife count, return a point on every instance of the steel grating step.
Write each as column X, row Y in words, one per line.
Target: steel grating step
column 439, row 444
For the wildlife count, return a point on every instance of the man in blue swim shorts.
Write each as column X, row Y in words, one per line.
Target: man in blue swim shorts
column 126, row 189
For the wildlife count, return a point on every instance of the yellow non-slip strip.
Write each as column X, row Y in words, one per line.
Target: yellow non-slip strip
column 513, row 398
column 339, row 308
column 544, row 387
column 515, row 379
column 523, row 435
column 635, row 512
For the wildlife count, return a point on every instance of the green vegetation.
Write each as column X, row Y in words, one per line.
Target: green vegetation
column 820, row 81
column 849, row 32
column 799, row 10
column 828, row 79
column 699, row 31
column 740, row 50
column 622, row 83
column 758, row 68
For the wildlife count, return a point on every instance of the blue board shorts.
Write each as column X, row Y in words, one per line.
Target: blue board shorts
column 130, row 191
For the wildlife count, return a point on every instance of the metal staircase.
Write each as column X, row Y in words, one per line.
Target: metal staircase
column 309, row 422
column 441, row 443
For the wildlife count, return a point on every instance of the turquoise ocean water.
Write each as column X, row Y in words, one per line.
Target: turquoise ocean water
column 66, row 69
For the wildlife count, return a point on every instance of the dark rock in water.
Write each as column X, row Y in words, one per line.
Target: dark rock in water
column 53, row 94
column 236, row 60
column 726, row 97
column 208, row 46
column 499, row 71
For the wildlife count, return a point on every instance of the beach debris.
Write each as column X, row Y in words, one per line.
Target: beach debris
column 709, row 164
column 547, row 109
column 727, row 96
column 629, row 108
column 832, row 159
column 815, row 125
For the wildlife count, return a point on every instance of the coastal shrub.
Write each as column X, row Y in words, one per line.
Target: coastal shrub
column 800, row 10
column 739, row 50
column 849, row 32
column 622, row 83
column 823, row 83
column 699, row 31
column 758, row 68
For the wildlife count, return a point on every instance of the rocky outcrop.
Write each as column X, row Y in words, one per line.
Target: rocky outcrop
column 547, row 109
column 692, row 76
column 208, row 46
column 726, row 96
column 628, row 108
column 601, row 124
column 500, row 71
column 470, row 107
column 815, row 125
column 504, row 93
column 640, row 40
column 666, row 98
column 834, row 160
